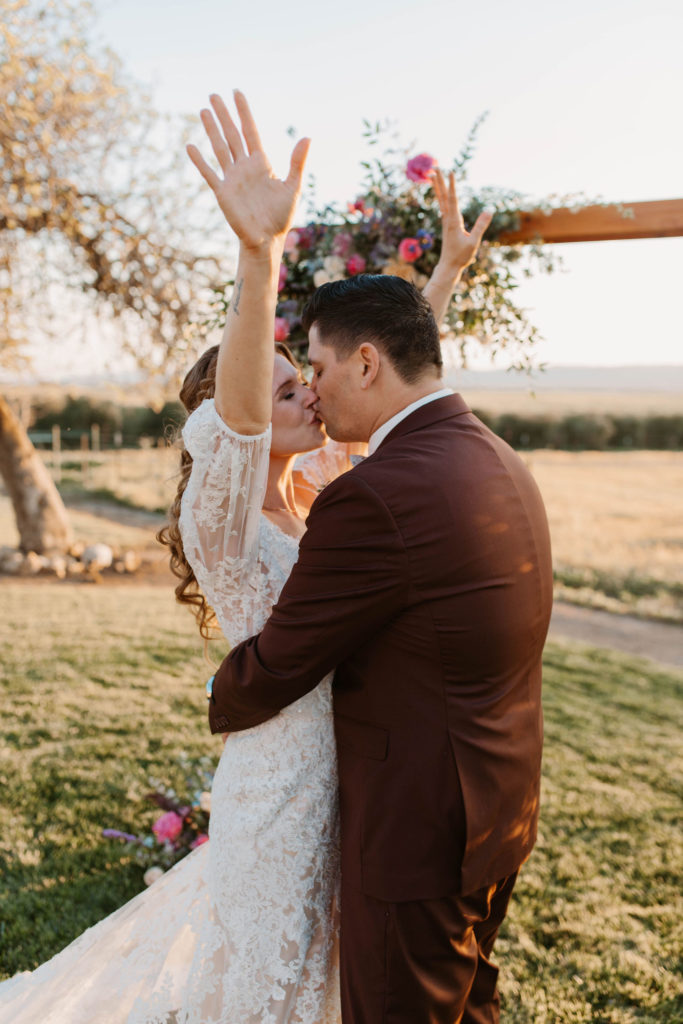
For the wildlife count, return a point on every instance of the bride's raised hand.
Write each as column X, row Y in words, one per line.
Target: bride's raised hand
column 459, row 247
column 257, row 205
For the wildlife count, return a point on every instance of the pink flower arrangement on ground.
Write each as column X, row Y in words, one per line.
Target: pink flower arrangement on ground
column 183, row 827
column 420, row 168
column 168, row 827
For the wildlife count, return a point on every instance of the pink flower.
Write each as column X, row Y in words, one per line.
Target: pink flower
column 199, row 841
column 282, row 278
column 409, row 250
column 360, row 207
column 291, row 241
column 281, row 329
column 420, row 167
column 355, row 265
column 168, row 827
column 342, row 244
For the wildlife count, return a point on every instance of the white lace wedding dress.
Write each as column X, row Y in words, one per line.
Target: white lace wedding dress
column 244, row 930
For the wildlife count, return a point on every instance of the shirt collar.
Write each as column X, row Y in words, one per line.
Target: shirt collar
column 378, row 436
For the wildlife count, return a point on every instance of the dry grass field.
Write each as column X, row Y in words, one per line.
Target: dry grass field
column 616, row 517
column 562, row 403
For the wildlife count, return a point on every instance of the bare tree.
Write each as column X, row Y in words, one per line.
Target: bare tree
column 92, row 197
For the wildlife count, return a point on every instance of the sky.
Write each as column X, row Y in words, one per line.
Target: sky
column 582, row 98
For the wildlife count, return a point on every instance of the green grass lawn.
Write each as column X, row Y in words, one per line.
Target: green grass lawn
column 102, row 688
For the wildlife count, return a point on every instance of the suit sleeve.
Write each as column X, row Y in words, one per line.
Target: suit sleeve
column 350, row 579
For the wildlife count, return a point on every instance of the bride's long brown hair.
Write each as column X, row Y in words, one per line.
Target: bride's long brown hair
column 199, row 383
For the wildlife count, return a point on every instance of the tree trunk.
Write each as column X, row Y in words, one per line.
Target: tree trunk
column 42, row 519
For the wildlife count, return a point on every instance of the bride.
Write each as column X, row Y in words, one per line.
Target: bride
column 245, row 929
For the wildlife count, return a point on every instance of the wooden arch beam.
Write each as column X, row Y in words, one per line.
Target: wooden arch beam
column 662, row 218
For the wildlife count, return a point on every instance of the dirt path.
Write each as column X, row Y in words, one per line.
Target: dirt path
column 659, row 641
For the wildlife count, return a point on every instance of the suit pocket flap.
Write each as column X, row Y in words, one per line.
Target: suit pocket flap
column 361, row 737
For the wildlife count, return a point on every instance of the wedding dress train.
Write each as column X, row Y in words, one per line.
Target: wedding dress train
column 245, row 929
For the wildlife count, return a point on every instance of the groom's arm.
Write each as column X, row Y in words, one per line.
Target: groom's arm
column 351, row 578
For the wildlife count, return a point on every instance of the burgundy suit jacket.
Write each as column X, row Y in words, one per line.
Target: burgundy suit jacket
column 424, row 579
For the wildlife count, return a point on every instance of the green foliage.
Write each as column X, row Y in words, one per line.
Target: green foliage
column 103, row 687
column 645, row 596
column 119, row 424
column 575, row 432
column 586, row 431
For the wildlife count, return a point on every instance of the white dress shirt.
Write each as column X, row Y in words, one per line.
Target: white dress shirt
column 378, row 436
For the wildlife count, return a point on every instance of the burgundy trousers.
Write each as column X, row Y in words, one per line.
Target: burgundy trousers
column 421, row 962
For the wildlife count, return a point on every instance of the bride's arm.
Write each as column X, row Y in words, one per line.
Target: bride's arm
column 458, row 247
column 229, row 438
column 259, row 208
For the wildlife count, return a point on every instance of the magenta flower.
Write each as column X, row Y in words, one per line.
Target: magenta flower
column 356, row 264
column 409, row 250
column 282, row 277
column 168, row 827
column 199, row 841
column 420, row 168
column 281, row 329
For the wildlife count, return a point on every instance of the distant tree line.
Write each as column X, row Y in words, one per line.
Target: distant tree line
column 120, row 425
column 126, row 425
column 587, row 431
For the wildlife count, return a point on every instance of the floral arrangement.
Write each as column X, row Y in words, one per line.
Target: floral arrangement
column 394, row 227
column 181, row 828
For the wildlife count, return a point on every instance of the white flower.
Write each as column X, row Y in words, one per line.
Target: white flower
column 152, row 875
column 320, row 278
column 334, row 265
column 205, row 802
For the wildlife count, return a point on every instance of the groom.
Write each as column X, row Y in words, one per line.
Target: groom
column 424, row 581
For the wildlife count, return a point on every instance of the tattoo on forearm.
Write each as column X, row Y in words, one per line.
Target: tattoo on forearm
column 238, row 295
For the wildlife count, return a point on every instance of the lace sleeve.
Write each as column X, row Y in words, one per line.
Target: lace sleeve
column 315, row 470
column 220, row 513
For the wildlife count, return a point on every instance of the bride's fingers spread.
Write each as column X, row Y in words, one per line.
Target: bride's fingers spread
column 480, row 226
column 209, row 176
column 229, row 127
column 249, row 129
column 452, row 195
column 439, row 189
column 216, row 139
column 296, row 165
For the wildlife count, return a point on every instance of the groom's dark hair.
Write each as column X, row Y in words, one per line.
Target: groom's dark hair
column 385, row 310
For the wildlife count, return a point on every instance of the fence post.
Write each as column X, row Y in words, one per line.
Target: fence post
column 95, row 437
column 57, row 453
column 85, row 459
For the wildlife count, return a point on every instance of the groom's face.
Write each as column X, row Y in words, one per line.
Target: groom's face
column 334, row 385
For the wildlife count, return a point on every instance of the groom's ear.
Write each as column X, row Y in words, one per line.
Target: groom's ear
column 369, row 363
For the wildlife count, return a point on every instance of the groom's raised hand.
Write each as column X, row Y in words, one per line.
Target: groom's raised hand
column 257, row 205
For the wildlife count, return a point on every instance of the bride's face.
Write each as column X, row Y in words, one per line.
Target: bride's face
column 296, row 425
